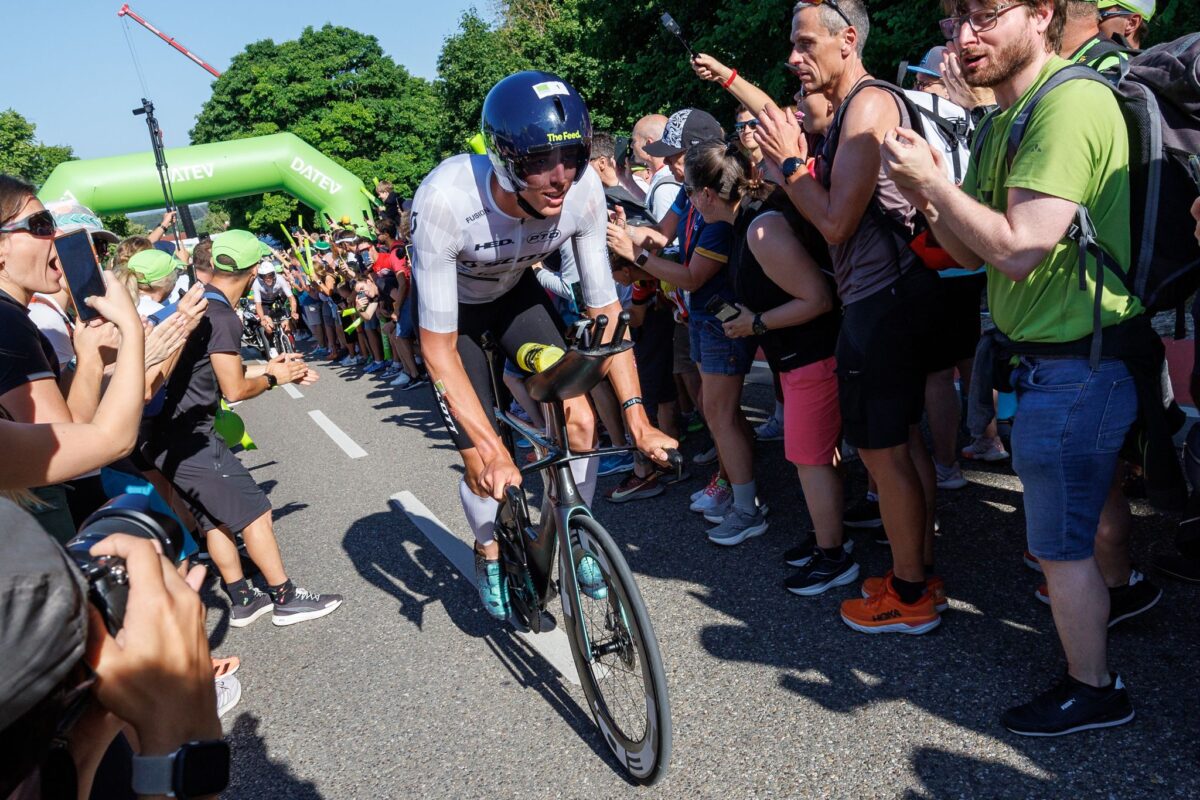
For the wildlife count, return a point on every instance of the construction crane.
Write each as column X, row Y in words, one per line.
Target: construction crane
column 126, row 11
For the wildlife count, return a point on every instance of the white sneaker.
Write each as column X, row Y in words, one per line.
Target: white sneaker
column 711, row 483
column 949, row 477
column 709, row 456
column 229, row 691
column 720, row 496
column 770, row 431
column 985, row 448
column 401, row 380
column 348, row 361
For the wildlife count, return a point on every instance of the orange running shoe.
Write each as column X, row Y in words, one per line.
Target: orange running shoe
column 884, row 613
column 937, row 587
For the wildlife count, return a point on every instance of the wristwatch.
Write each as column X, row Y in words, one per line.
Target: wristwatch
column 791, row 166
column 272, row 381
column 641, row 259
column 196, row 769
column 758, row 326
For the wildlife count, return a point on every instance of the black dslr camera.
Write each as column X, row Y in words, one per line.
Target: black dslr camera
column 107, row 580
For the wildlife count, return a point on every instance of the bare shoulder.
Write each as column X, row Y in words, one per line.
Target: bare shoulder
column 872, row 109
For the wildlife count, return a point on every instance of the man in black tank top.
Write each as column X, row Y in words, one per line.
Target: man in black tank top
column 882, row 345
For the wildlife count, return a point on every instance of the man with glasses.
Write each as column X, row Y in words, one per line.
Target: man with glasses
column 1126, row 22
column 884, row 349
column 1073, row 413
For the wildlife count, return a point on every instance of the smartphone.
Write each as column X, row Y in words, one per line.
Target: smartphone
column 720, row 309
column 1194, row 169
column 84, row 279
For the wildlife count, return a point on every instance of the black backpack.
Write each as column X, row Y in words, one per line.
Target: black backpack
column 1159, row 94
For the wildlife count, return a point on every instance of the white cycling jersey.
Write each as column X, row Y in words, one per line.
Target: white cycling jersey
column 265, row 295
column 466, row 250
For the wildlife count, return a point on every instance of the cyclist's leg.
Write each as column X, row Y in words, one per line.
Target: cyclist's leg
column 530, row 317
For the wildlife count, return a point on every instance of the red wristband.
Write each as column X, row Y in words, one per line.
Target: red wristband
column 732, row 78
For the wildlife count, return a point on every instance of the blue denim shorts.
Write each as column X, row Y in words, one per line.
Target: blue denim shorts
column 1069, row 427
column 404, row 327
column 715, row 352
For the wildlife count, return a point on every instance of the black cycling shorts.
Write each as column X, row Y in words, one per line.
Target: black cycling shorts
column 524, row 314
column 884, row 351
column 208, row 476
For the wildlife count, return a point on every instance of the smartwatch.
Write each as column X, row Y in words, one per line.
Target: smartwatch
column 791, row 166
column 272, row 381
column 641, row 259
column 196, row 769
column 758, row 326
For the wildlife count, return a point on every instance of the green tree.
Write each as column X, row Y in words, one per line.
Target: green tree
column 334, row 88
column 22, row 154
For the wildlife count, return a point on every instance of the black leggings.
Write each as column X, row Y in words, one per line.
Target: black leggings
column 524, row 314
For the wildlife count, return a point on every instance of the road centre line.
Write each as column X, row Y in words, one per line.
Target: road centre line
column 293, row 392
column 552, row 646
column 348, row 445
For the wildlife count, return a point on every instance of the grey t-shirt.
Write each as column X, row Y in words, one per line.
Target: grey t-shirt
column 875, row 256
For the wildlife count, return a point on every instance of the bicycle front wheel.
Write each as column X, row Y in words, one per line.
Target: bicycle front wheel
column 622, row 675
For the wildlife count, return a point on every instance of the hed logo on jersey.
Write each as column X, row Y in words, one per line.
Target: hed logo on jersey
column 493, row 245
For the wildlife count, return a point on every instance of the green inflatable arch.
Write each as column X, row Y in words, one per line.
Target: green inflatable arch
column 218, row 171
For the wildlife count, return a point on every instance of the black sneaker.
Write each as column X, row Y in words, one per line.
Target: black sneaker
column 1128, row 601
column 252, row 606
column 821, row 574
column 305, row 605
column 1071, row 707
column 879, row 536
column 864, row 514
column 802, row 554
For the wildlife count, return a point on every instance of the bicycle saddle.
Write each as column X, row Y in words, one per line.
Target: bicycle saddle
column 581, row 368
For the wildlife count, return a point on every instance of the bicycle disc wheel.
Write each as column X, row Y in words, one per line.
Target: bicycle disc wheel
column 624, row 681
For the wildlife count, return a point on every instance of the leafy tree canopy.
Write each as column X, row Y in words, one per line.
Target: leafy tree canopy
column 334, row 88
column 22, row 154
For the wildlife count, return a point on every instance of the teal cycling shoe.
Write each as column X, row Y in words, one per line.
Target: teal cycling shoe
column 591, row 579
column 493, row 589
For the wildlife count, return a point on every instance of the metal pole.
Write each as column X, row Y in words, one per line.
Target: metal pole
column 164, row 172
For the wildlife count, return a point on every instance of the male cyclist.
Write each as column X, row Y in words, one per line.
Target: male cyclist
column 478, row 224
column 270, row 292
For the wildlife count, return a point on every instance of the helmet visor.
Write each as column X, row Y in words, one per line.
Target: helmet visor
column 538, row 168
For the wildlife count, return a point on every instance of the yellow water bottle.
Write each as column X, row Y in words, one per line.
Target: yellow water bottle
column 533, row 357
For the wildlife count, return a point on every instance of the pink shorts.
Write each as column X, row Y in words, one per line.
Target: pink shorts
column 812, row 421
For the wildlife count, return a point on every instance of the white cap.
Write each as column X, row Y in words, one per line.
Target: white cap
column 267, row 267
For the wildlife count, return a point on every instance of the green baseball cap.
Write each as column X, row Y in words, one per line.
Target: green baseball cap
column 234, row 251
column 152, row 265
column 1145, row 8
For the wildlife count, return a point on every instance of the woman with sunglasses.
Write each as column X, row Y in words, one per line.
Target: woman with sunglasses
column 29, row 371
column 786, row 299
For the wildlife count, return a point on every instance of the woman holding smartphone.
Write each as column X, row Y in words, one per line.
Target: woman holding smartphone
column 29, row 371
column 787, row 301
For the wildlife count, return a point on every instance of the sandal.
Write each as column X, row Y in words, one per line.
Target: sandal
column 224, row 667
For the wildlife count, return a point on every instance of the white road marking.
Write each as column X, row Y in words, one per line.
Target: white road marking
column 348, row 445
column 293, row 392
column 552, row 646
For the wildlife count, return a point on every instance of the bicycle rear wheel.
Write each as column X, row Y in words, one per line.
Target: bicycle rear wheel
column 623, row 679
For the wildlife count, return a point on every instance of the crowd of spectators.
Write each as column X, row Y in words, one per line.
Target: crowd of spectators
column 828, row 239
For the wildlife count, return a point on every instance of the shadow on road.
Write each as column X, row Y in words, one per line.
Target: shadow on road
column 391, row 554
column 255, row 774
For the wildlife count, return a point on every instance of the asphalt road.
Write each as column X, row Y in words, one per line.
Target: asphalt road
column 410, row 690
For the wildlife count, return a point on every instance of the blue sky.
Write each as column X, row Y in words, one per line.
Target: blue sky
column 69, row 69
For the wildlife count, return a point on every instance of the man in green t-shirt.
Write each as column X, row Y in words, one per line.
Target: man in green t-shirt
column 1071, row 419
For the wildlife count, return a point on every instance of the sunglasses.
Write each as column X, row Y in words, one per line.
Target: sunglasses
column 752, row 124
column 39, row 223
column 832, row 4
column 1109, row 13
column 980, row 21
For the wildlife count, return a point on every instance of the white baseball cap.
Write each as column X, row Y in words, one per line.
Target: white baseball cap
column 267, row 267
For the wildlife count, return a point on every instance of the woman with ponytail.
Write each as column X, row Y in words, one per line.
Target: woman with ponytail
column 786, row 298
